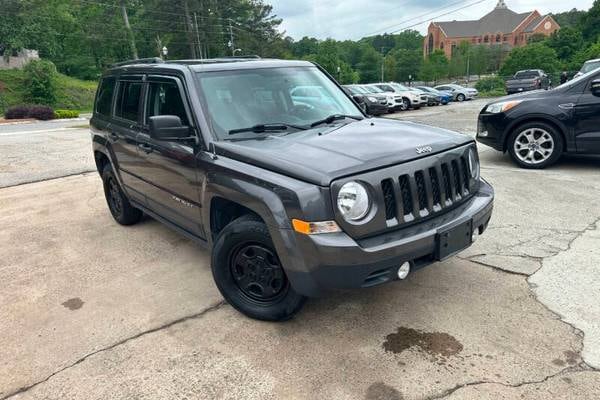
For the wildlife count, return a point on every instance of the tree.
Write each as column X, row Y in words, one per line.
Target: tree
column 568, row 18
column 390, row 68
column 408, row 64
column 589, row 53
column 566, row 42
column 532, row 56
column 40, row 82
column 435, row 66
column 369, row 66
column 589, row 23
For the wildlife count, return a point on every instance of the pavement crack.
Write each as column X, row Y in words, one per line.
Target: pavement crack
column 449, row 392
column 167, row 325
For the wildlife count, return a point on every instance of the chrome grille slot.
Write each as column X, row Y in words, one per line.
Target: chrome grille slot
column 435, row 187
column 466, row 176
column 421, row 190
column 447, row 186
column 457, row 180
column 406, row 195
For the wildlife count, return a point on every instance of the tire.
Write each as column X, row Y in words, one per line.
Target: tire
column 541, row 145
column 405, row 104
column 118, row 204
column 461, row 97
column 242, row 250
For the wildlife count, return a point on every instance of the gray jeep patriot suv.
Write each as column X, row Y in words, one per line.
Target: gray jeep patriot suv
column 275, row 168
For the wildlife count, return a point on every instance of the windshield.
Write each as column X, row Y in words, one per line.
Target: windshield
column 240, row 99
column 373, row 89
column 590, row 66
column 399, row 87
column 360, row 90
column 526, row 75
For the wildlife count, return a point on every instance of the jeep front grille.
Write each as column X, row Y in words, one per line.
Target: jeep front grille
column 426, row 192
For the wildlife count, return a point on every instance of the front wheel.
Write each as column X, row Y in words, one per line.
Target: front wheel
column 461, row 97
column 249, row 274
column 405, row 104
column 535, row 145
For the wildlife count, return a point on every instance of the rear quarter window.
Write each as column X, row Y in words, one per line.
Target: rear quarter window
column 105, row 96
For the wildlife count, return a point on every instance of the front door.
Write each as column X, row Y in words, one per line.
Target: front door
column 170, row 171
column 587, row 121
column 123, row 131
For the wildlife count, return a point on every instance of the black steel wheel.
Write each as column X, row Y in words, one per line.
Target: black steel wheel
column 249, row 274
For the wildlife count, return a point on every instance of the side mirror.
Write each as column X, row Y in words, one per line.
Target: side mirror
column 596, row 87
column 167, row 127
column 358, row 99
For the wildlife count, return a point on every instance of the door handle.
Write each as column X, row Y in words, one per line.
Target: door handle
column 113, row 136
column 146, row 148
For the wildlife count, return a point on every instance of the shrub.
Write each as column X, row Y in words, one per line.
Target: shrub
column 43, row 113
column 61, row 114
column 40, row 82
column 493, row 83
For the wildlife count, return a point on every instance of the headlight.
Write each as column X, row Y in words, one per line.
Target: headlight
column 372, row 99
column 474, row 164
column 503, row 106
column 353, row 201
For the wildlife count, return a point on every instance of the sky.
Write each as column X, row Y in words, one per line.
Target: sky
column 353, row 19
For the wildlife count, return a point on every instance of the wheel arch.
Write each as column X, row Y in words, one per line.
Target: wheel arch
column 540, row 119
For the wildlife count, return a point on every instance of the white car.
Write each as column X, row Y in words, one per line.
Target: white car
column 588, row 66
column 394, row 101
column 410, row 99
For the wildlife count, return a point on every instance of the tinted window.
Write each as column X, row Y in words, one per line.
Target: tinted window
column 128, row 102
column 105, row 95
column 527, row 75
column 164, row 98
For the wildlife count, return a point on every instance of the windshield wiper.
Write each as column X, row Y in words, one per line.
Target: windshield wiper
column 261, row 128
column 334, row 117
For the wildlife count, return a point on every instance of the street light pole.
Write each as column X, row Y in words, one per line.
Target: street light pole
column 382, row 63
column 231, row 38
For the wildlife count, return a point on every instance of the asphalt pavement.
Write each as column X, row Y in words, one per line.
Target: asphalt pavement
column 93, row 310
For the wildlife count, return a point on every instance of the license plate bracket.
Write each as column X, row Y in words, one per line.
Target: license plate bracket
column 453, row 240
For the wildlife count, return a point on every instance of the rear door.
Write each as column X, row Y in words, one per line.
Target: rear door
column 169, row 171
column 587, row 120
column 123, row 131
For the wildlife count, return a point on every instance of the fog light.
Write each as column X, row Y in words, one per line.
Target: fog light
column 404, row 270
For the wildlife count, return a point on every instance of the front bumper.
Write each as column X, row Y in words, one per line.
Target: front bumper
column 520, row 89
column 336, row 261
column 491, row 130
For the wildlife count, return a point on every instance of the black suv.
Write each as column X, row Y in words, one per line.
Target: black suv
column 294, row 194
column 536, row 128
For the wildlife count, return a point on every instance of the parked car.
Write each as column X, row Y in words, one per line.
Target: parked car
column 410, row 99
column 375, row 104
column 458, row 92
column 293, row 200
column 394, row 100
column 526, row 80
column 537, row 127
column 432, row 99
column 444, row 97
column 588, row 66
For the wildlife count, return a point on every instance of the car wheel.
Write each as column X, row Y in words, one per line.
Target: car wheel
column 405, row 104
column 118, row 204
column 461, row 97
column 535, row 145
column 249, row 274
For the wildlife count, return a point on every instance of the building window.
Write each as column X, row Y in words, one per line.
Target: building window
column 442, row 46
column 498, row 38
column 486, row 39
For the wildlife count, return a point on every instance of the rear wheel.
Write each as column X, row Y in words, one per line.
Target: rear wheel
column 249, row 274
column 535, row 145
column 118, row 204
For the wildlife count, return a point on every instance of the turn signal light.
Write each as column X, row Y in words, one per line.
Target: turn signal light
column 315, row 228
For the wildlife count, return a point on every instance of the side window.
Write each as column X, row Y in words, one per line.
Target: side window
column 105, row 95
column 164, row 98
column 128, row 100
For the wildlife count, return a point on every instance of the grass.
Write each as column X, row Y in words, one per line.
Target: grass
column 71, row 94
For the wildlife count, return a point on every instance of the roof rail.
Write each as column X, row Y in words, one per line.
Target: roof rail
column 230, row 59
column 152, row 60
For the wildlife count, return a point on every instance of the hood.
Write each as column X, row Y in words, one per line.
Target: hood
column 529, row 95
column 324, row 154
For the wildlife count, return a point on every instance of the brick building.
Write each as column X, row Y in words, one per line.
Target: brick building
column 501, row 26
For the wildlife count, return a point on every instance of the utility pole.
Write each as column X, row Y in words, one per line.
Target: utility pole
column 198, row 36
column 129, row 31
column 382, row 63
column 231, row 38
column 189, row 27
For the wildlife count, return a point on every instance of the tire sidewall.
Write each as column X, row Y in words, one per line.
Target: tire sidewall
column 129, row 215
column 461, row 97
column 558, row 145
column 239, row 232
